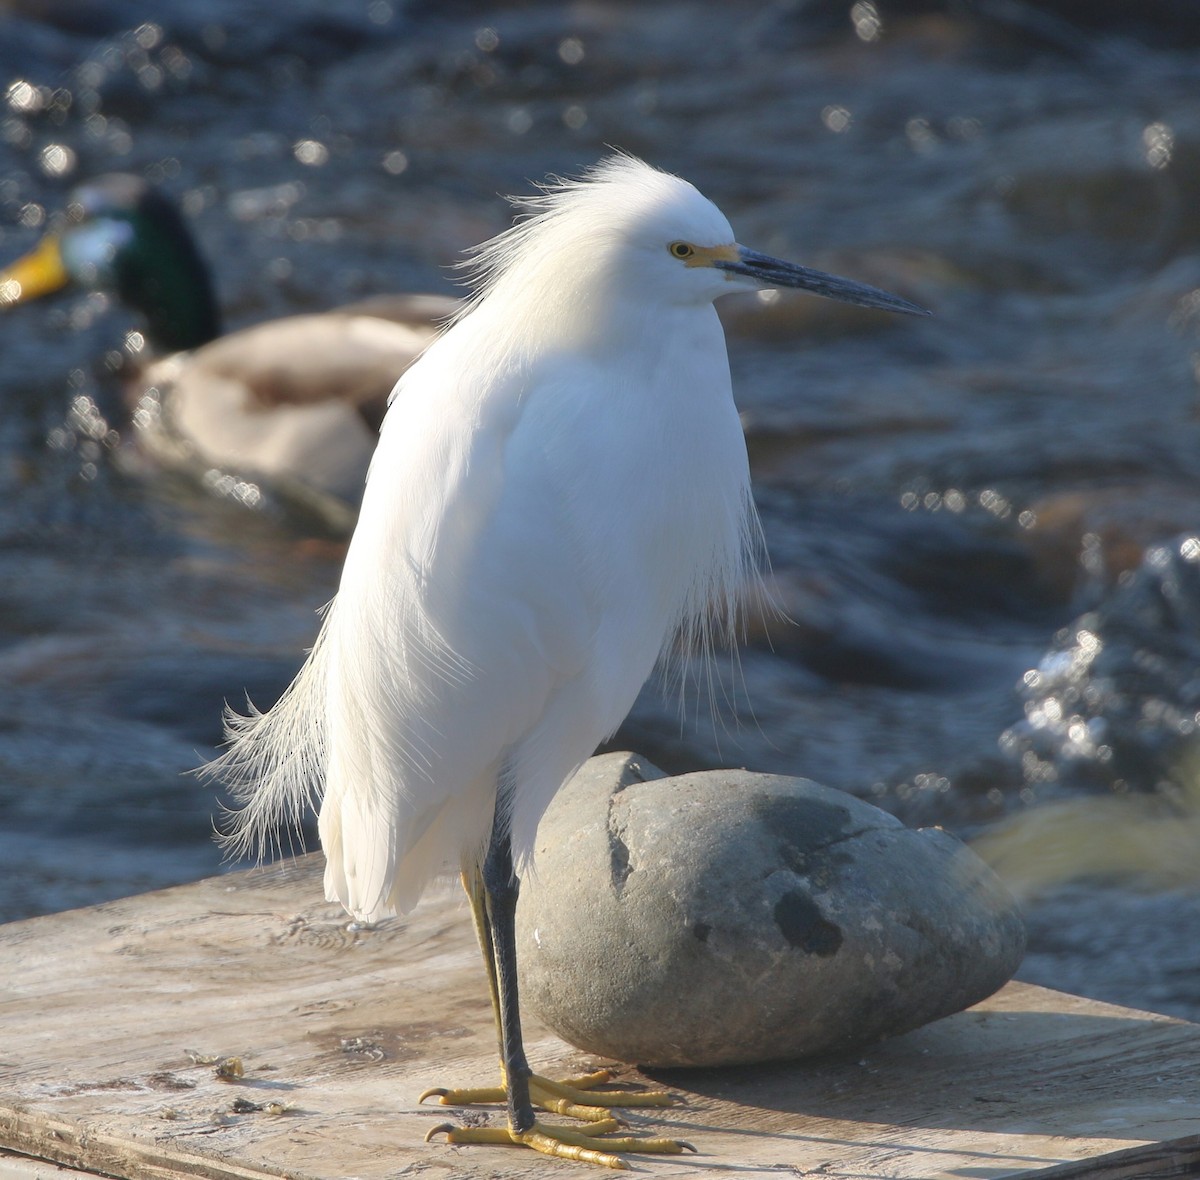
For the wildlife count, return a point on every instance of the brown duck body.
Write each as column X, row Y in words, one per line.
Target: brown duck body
column 296, row 401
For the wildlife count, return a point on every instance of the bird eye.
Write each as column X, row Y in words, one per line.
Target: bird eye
column 682, row 249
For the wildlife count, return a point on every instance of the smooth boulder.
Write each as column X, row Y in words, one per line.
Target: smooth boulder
column 726, row 917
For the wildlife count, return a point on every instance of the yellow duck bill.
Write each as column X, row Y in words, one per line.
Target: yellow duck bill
column 40, row 272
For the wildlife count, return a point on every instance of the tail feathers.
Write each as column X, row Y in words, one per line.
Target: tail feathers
column 455, row 837
column 360, row 856
column 380, row 869
column 274, row 765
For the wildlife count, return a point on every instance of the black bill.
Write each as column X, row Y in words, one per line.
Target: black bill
column 773, row 272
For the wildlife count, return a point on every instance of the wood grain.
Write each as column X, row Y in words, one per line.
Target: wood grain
column 342, row 1027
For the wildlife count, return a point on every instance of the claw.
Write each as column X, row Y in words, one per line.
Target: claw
column 576, row 1098
column 564, row 1142
column 473, row 1096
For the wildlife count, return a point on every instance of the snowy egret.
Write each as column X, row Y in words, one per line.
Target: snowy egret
column 560, row 494
column 297, row 401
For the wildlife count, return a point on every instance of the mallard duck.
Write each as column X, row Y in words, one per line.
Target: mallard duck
column 295, row 402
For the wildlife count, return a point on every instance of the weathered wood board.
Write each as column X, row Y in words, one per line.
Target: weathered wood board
column 346, row 1026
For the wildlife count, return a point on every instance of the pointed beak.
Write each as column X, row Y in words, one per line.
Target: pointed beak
column 773, row 272
column 38, row 273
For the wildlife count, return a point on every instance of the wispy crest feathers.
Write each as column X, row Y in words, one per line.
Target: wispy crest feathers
column 564, row 208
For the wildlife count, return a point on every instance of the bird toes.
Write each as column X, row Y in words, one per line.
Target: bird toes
column 585, row 1146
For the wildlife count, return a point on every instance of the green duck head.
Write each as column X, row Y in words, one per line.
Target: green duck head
column 125, row 236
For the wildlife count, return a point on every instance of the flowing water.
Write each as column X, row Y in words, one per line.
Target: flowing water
column 984, row 527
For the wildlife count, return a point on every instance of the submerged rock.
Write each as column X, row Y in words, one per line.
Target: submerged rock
column 728, row 917
column 1112, row 705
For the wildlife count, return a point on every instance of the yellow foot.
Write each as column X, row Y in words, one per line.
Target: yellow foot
column 576, row 1098
column 566, row 1142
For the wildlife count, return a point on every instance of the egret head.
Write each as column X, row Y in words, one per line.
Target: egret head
column 629, row 227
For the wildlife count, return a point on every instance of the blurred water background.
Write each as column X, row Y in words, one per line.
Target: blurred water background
column 985, row 527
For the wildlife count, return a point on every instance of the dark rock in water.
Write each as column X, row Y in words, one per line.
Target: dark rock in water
column 728, row 917
column 1083, row 536
column 1113, row 703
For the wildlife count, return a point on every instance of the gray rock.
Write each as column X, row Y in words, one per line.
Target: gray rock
column 727, row 917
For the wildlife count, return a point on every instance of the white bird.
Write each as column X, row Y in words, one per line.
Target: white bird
column 560, row 495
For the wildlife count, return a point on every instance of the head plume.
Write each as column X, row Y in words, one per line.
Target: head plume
column 589, row 215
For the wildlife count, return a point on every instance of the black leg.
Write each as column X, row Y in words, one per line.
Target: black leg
column 492, row 889
column 501, row 888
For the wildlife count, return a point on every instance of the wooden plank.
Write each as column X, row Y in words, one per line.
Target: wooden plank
column 23, row 1167
column 345, row 1026
column 1155, row 1161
